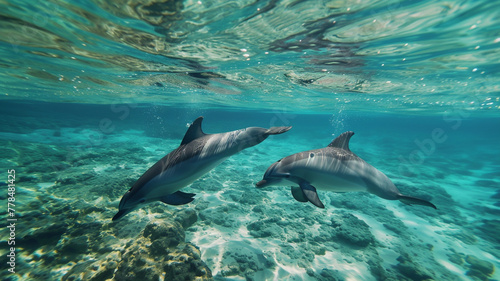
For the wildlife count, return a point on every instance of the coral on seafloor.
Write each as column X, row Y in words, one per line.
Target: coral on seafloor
column 158, row 253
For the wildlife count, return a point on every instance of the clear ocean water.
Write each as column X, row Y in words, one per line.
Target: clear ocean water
column 93, row 93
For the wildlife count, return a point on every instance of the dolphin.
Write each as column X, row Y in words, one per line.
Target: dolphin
column 333, row 168
column 197, row 155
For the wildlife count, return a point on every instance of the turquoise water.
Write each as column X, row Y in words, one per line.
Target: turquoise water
column 94, row 93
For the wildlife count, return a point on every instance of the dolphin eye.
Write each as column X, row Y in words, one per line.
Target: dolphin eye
column 142, row 200
column 311, row 155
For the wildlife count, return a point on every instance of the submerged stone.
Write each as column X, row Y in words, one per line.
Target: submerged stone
column 479, row 269
column 265, row 228
column 187, row 217
column 48, row 235
column 243, row 260
column 412, row 270
column 352, row 230
column 456, row 258
column 330, row 274
column 75, row 246
column 158, row 252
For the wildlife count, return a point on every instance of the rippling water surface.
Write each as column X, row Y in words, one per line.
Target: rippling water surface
column 311, row 55
column 95, row 92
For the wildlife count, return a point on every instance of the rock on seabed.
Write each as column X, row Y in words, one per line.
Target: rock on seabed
column 157, row 253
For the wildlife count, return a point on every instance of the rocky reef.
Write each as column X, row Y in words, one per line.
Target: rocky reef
column 157, row 253
column 67, row 233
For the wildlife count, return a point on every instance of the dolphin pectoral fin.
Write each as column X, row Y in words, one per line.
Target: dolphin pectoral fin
column 417, row 201
column 178, row 198
column 311, row 194
column 277, row 130
column 298, row 194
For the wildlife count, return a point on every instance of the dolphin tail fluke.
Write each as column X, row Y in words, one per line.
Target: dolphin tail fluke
column 178, row 198
column 277, row 130
column 417, row 201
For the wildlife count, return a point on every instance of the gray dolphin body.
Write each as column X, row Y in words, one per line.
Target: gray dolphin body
column 198, row 154
column 333, row 168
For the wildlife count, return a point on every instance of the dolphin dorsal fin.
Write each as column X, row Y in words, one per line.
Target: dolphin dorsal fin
column 342, row 141
column 194, row 131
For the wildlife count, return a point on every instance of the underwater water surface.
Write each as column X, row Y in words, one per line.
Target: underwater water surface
column 93, row 93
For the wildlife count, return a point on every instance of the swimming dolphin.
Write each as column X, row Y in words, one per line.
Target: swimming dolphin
column 333, row 168
column 197, row 155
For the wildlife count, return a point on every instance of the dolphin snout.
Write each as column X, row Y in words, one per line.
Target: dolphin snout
column 121, row 213
column 261, row 183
